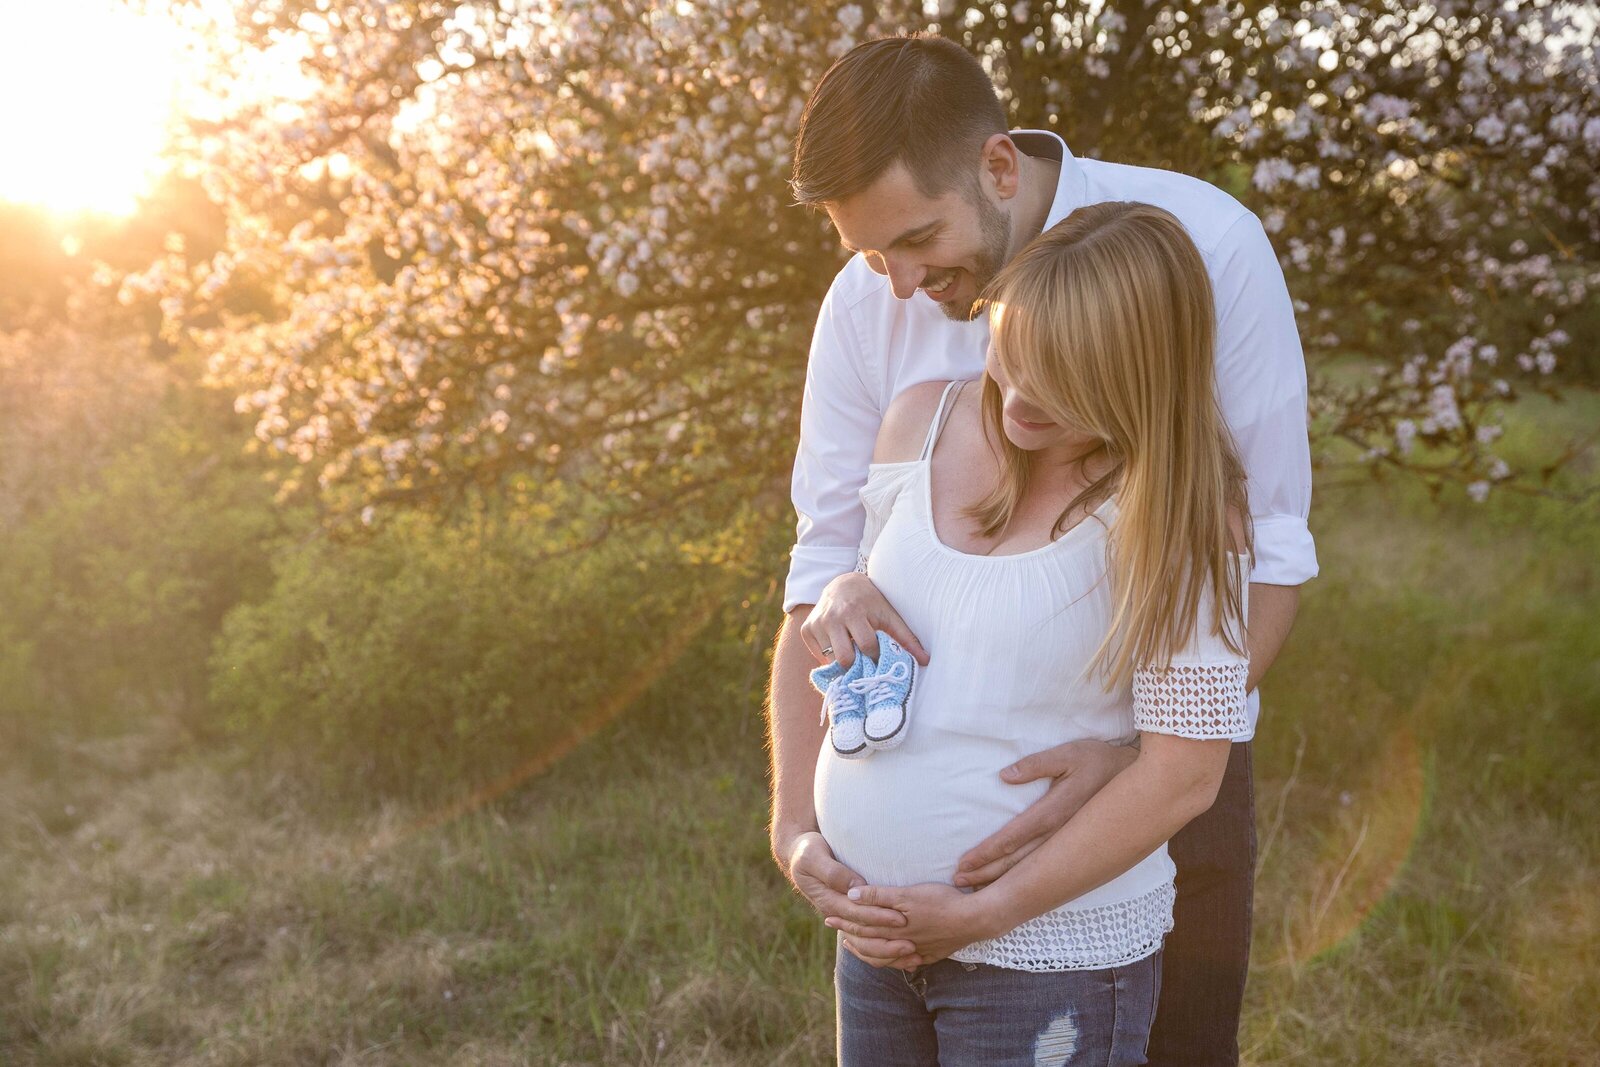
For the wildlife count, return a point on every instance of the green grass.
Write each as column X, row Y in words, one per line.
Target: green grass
column 1429, row 819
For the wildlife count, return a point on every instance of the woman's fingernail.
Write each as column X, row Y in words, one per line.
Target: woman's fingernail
column 854, row 892
column 831, row 923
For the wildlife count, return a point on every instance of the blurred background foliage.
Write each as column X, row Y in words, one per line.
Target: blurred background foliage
column 416, row 410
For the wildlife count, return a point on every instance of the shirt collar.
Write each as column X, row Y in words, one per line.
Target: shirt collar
column 1072, row 185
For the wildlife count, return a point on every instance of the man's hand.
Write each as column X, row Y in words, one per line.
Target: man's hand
column 824, row 882
column 850, row 611
column 1079, row 770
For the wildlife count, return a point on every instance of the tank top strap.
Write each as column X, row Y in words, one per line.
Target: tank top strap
column 936, row 427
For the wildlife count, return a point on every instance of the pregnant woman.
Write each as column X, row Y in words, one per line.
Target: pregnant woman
column 1066, row 539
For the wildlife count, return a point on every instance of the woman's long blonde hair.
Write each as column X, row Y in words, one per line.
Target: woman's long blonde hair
column 1106, row 323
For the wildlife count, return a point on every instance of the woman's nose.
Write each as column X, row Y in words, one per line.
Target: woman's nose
column 1021, row 412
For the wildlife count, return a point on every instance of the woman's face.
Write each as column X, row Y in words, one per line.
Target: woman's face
column 1026, row 424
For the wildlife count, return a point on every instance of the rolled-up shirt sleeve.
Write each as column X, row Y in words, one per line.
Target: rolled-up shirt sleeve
column 1261, row 384
column 839, row 418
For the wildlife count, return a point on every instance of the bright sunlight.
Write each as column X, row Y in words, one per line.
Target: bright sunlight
column 89, row 89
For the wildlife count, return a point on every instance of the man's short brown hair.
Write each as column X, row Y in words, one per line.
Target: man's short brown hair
column 921, row 99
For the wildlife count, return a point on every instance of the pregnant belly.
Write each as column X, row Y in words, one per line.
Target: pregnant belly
column 906, row 815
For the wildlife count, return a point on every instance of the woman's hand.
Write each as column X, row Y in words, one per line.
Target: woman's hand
column 847, row 616
column 939, row 918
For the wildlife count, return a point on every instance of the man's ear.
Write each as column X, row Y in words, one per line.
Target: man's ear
column 1001, row 164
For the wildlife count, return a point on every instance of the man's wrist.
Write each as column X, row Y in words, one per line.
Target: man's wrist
column 784, row 839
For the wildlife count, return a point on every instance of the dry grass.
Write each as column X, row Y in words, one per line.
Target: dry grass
column 1430, row 846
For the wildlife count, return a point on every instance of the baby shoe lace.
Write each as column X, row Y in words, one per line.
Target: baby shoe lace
column 880, row 687
column 842, row 698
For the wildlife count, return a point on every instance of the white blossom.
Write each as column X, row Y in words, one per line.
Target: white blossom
column 1444, row 411
column 1591, row 134
column 1381, row 107
column 1270, row 173
column 1565, row 125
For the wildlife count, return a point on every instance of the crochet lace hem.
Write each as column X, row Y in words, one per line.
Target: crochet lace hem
column 1083, row 939
column 1198, row 700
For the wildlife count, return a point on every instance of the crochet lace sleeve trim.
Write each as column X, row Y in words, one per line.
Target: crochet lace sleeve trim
column 1110, row 935
column 1197, row 700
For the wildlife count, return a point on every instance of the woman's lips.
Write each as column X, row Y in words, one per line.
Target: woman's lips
column 1033, row 426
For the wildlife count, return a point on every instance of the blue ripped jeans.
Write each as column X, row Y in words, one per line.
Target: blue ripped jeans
column 954, row 1014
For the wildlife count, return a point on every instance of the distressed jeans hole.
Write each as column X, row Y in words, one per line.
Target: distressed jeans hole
column 1057, row 1043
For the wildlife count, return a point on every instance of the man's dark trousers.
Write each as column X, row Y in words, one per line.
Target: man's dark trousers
column 1208, row 951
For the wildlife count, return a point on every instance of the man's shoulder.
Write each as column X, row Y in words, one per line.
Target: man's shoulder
column 1206, row 211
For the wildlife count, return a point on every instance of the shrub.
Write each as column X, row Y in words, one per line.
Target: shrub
column 438, row 650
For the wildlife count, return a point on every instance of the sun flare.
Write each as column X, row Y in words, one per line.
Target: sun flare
column 89, row 88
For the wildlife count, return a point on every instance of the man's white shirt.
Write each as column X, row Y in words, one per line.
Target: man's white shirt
column 869, row 346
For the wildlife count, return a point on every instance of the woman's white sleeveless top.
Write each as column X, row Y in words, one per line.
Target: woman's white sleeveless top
column 1008, row 640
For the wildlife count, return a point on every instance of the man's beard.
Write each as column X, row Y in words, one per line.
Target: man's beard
column 996, row 231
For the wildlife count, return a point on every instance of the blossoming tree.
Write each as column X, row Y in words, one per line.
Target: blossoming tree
column 488, row 237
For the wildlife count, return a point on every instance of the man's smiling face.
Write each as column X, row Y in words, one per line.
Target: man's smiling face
column 949, row 246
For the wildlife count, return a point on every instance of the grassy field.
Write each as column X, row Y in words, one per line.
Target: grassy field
column 1427, row 790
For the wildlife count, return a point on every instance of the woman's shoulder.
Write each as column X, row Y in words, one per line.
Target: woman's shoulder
column 905, row 424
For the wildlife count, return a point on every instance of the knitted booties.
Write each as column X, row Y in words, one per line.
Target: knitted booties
column 844, row 705
column 888, row 694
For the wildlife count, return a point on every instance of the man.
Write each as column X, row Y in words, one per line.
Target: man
column 904, row 144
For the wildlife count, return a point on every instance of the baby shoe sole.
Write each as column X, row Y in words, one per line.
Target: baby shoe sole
column 893, row 737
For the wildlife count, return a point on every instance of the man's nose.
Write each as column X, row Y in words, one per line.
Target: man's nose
column 904, row 277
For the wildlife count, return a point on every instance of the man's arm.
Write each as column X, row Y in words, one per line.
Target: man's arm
column 794, row 737
column 839, row 421
column 1261, row 387
column 839, row 418
column 840, row 413
column 1272, row 612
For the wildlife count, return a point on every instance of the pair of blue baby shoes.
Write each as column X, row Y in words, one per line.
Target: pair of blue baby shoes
column 868, row 704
